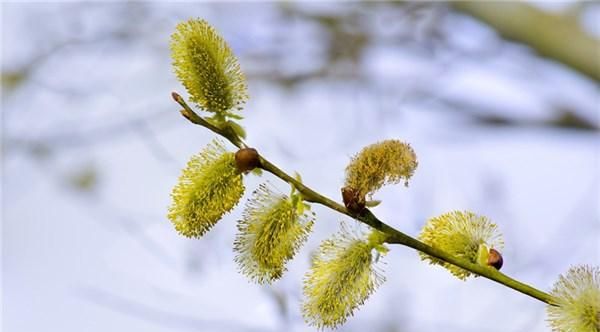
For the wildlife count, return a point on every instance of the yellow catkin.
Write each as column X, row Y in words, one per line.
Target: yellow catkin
column 382, row 163
column 270, row 233
column 207, row 67
column 343, row 275
column 460, row 234
column 208, row 187
column 577, row 301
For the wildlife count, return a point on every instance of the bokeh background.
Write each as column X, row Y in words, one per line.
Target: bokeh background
column 500, row 101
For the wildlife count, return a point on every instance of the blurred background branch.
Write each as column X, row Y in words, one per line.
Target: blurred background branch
column 556, row 36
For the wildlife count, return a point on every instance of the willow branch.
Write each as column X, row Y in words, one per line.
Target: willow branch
column 194, row 118
column 394, row 236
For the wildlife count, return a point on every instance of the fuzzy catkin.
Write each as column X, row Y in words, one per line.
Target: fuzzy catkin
column 207, row 67
column 460, row 234
column 342, row 277
column 270, row 233
column 386, row 162
column 208, row 187
column 577, row 295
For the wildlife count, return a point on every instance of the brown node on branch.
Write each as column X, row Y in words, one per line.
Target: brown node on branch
column 495, row 259
column 353, row 201
column 247, row 159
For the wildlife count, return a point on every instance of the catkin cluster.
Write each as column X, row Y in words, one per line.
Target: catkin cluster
column 345, row 270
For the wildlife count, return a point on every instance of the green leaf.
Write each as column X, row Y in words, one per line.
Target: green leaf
column 372, row 203
column 239, row 130
column 234, row 116
column 300, row 207
column 482, row 255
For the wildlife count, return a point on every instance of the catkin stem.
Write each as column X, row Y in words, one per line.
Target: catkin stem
column 394, row 236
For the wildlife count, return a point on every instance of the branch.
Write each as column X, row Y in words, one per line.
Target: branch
column 554, row 36
column 394, row 236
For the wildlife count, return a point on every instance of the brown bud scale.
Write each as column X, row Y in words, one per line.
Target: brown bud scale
column 175, row 96
column 495, row 259
column 247, row 159
column 352, row 200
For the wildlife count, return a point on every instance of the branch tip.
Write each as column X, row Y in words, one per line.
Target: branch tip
column 176, row 97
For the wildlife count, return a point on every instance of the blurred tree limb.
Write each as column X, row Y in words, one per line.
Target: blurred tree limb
column 558, row 37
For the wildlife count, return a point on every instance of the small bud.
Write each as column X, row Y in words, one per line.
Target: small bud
column 176, row 96
column 247, row 159
column 186, row 115
column 495, row 259
column 352, row 200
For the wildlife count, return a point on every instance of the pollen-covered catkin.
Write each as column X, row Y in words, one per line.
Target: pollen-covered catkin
column 207, row 68
column 343, row 275
column 386, row 162
column 209, row 186
column 270, row 233
column 462, row 234
column 577, row 301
